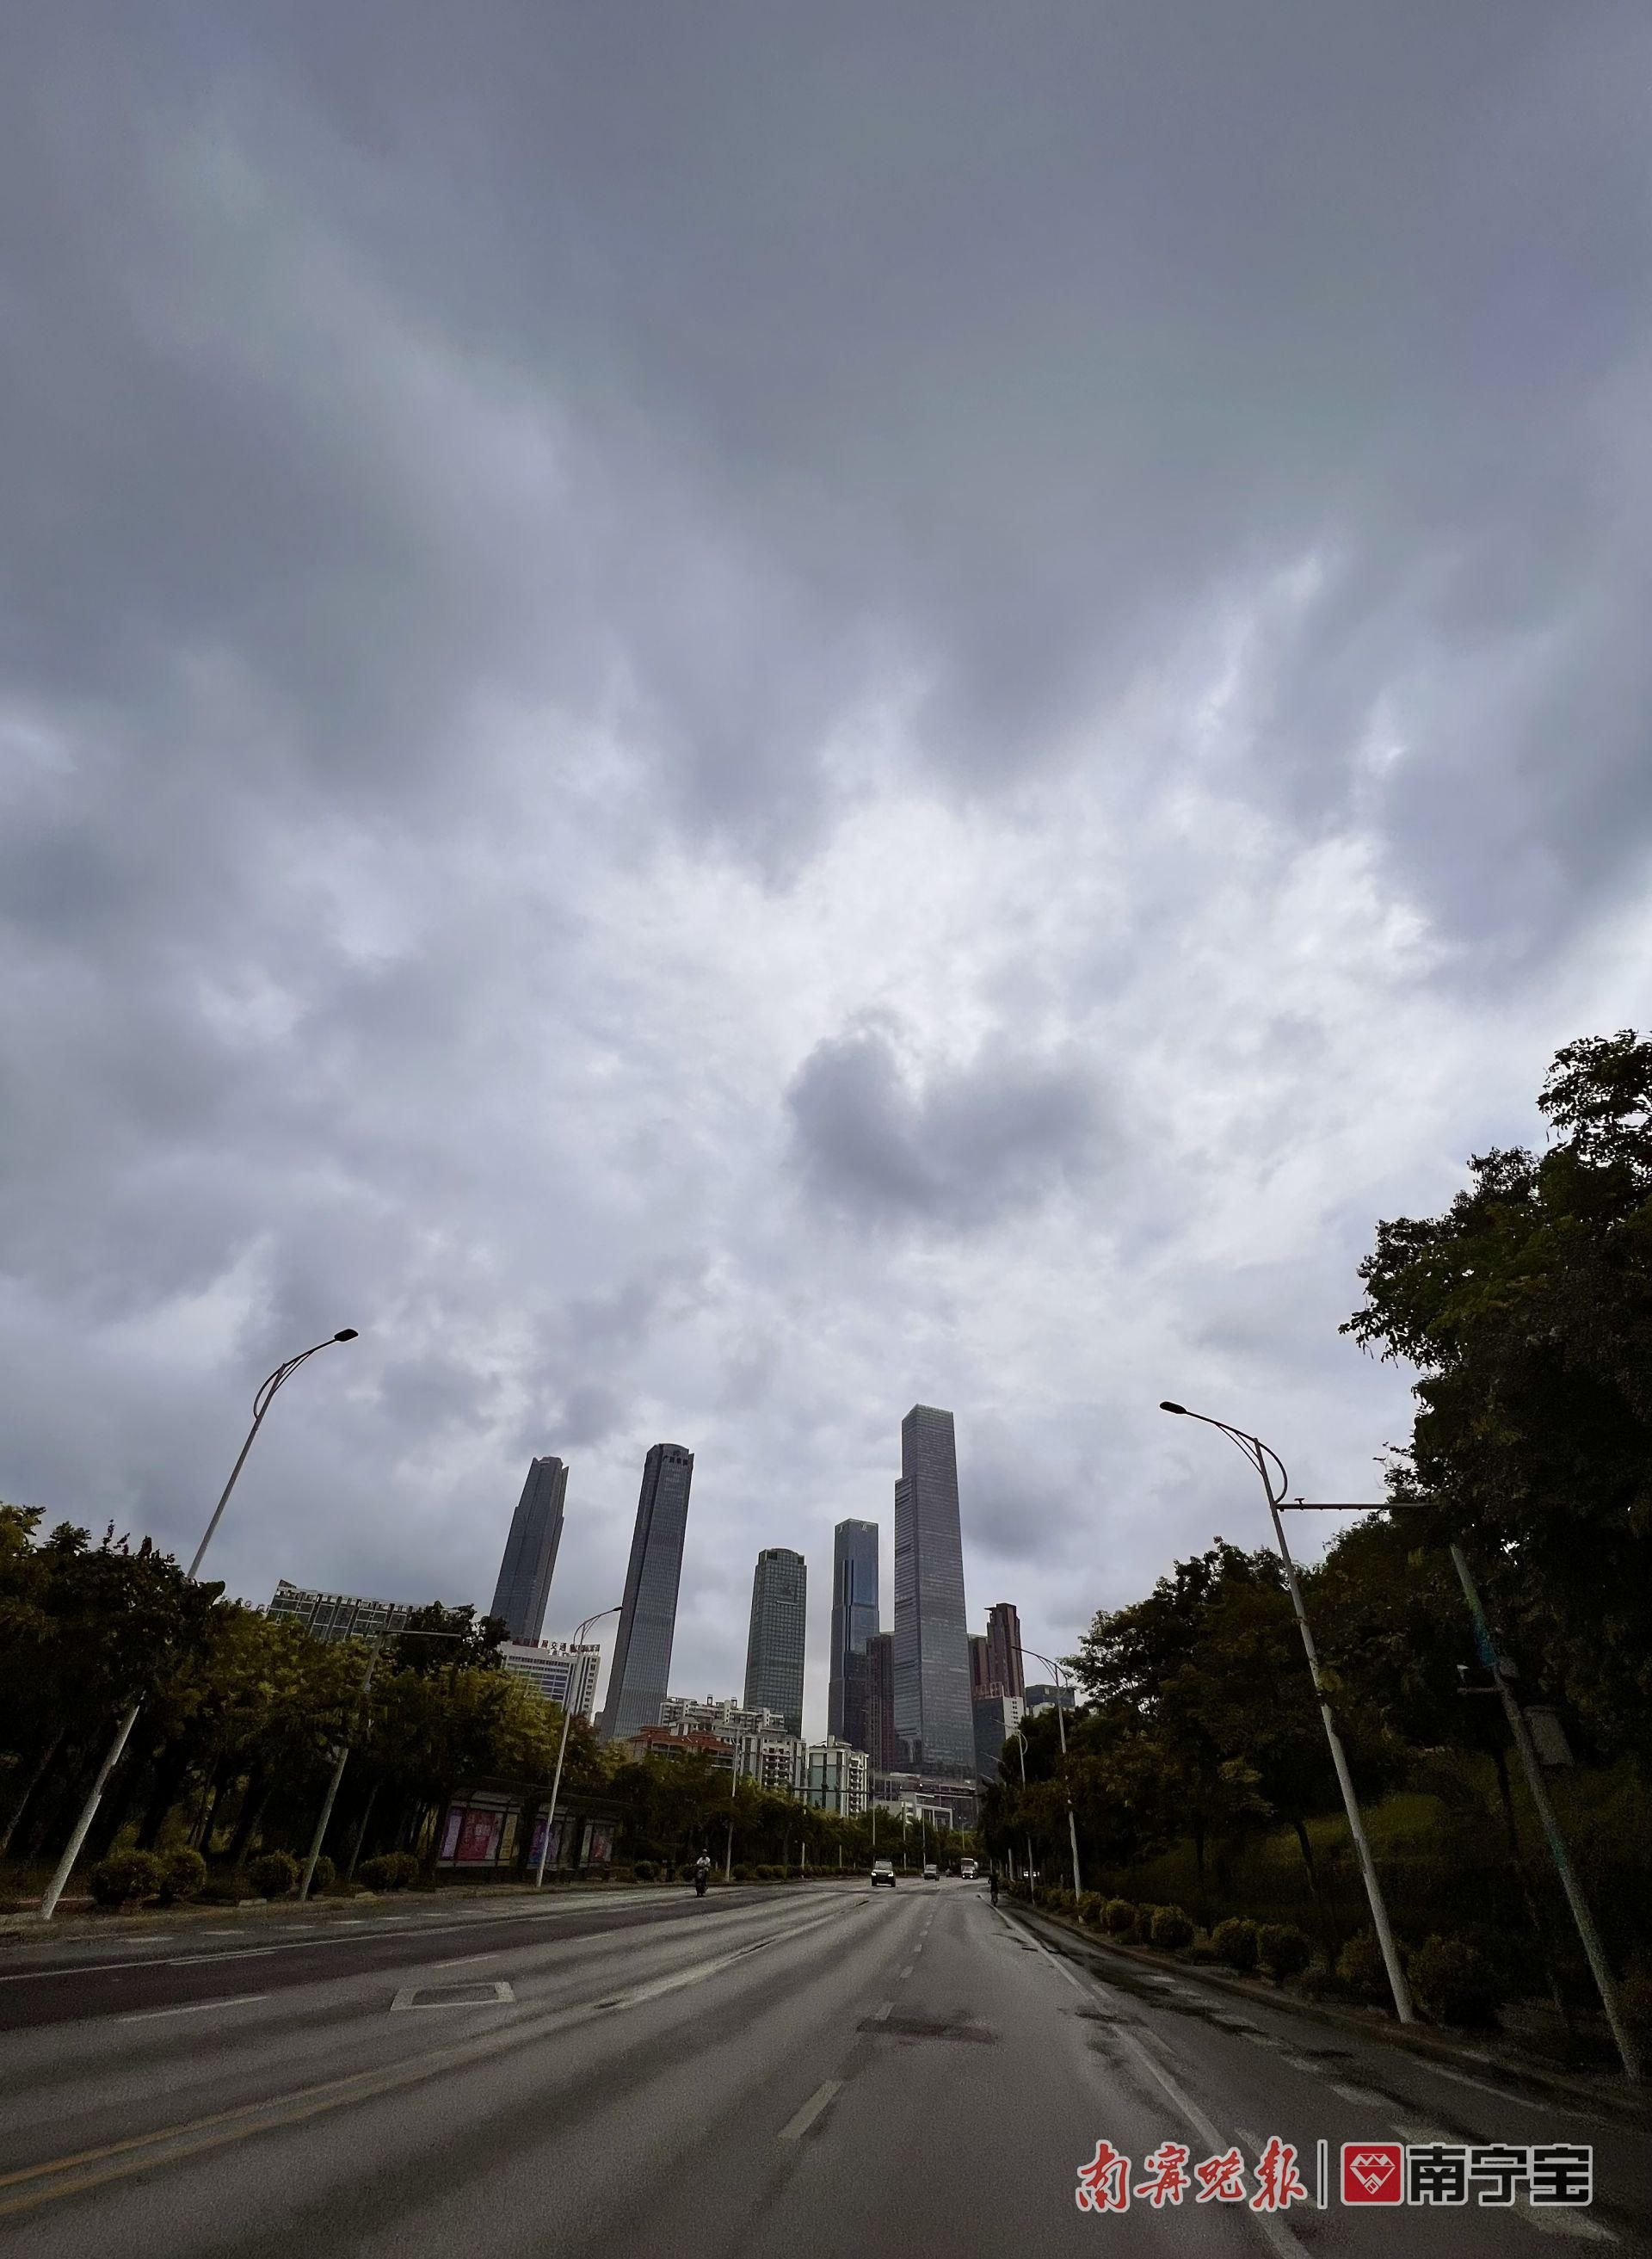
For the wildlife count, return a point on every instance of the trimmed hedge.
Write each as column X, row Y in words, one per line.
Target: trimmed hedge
column 1283, row 1950
column 391, row 1870
column 1455, row 1983
column 1235, row 1942
column 183, row 1872
column 1171, row 1929
column 1120, row 1917
column 126, row 1878
column 273, row 1874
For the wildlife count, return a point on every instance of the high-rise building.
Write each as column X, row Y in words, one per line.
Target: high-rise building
column 980, row 1666
column 933, row 1719
column 854, row 1622
column 340, row 1615
column 530, row 1552
column 997, row 1716
column 641, row 1672
column 836, row 1778
column 880, row 1733
column 1004, row 1668
column 774, row 1646
column 564, row 1675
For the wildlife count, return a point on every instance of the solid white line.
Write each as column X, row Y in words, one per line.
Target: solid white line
column 193, row 2008
column 794, row 2128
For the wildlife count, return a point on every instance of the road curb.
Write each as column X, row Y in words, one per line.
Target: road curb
column 1614, row 2102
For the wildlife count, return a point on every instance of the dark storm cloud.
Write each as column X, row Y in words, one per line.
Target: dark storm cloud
column 494, row 498
column 960, row 1149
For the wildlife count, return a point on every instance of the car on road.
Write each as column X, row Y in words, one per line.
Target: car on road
column 931, row 1872
column 967, row 1869
column 883, row 1871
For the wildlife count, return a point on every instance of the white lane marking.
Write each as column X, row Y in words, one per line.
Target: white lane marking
column 881, row 2016
column 1554, row 2220
column 917, row 1949
column 1300, row 2063
column 1261, row 2039
column 794, row 2128
column 1361, row 2096
column 904, row 1973
column 1271, row 2230
column 193, row 2008
column 408, row 1997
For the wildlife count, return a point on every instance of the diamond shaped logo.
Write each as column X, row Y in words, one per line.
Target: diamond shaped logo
column 1373, row 2172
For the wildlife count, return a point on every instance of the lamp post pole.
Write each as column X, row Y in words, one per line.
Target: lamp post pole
column 562, row 1746
column 262, row 1403
column 1019, row 1739
column 1072, row 1825
column 1259, row 1454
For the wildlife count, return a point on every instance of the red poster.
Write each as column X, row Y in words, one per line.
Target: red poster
column 477, row 1837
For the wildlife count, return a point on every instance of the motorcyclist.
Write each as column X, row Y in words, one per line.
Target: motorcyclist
column 702, row 1873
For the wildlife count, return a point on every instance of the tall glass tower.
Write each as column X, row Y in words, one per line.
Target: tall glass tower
column 638, row 1683
column 774, row 1649
column 934, row 1721
column 854, row 1622
column 530, row 1552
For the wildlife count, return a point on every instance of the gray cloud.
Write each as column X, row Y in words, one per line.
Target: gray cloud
column 725, row 719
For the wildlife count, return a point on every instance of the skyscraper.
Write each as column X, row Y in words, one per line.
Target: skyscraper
column 1004, row 1666
column 881, row 1734
column 980, row 1665
column 854, row 1622
column 637, row 1684
column 530, row 1552
column 774, row 1648
column 933, row 1719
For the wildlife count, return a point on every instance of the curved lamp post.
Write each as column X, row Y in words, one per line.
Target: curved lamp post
column 262, row 1403
column 562, row 1746
column 1016, row 1735
column 1049, row 1663
column 1261, row 1457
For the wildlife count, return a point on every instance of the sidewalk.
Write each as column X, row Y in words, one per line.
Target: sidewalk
column 1494, row 2054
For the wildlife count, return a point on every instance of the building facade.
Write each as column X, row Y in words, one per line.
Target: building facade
column 641, row 1673
column 880, row 1733
column 774, row 1646
column 777, row 1761
column 854, row 1622
column 340, row 1615
column 933, row 1721
column 997, row 1717
column 1004, row 1667
column 531, row 1552
column 980, row 1666
column 669, row 1742
column 1045, row 1698
column 562, row 1674
column 711, row 1716
column 838, row 1779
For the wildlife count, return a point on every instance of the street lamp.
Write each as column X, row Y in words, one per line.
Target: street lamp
column 262, row 1403
column 1259, row 1454
column 562, row 1746
column 1016, row 1735
column 1072, row 1825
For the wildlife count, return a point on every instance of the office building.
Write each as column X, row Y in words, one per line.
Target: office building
column 997, row 1716
column 1004, row 1672
column 854, row 1622
column 1045, row 1698
column 680, row 1741
column 775, row 1645
column 922, row 1800
column 880, row 1733
column 641, row 1674
column 979, row 1679
column 837, row 1779
column 564, row 1675
column 531, row 1552
column 712, row 1715
column 340, row 1615
column 933, row 1721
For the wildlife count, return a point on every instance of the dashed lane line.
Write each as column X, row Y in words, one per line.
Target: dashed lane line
column 193, row 2008
column 795, row 2128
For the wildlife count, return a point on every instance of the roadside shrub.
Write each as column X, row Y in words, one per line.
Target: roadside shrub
column 273, row 1874
column 221, row 1890
column 125, row 1877
column 1091, row 1906
column 325, row 1876
column 1141, row 1930
column 1171, row 1929
column 391, row 1870
column 1283, row 1950
column 1120, row 1917
column 182, row 1873
column 644, row 1871
column 1455, row 1983
column 1234, row 1940
column 1360, row 1969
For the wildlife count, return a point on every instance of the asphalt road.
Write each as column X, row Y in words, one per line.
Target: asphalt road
column 816, row 2069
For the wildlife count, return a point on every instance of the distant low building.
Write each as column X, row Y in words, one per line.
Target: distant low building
column 838, row 1779
column 712, row 1715
column 340, row 1615
column 777, row 1761
column 1045, row 1698
column 914, row 1796
column 997, row 1717
column 670, row 1743
column 562, row 1674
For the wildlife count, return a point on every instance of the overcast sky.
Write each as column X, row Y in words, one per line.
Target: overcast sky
column 727, row 715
